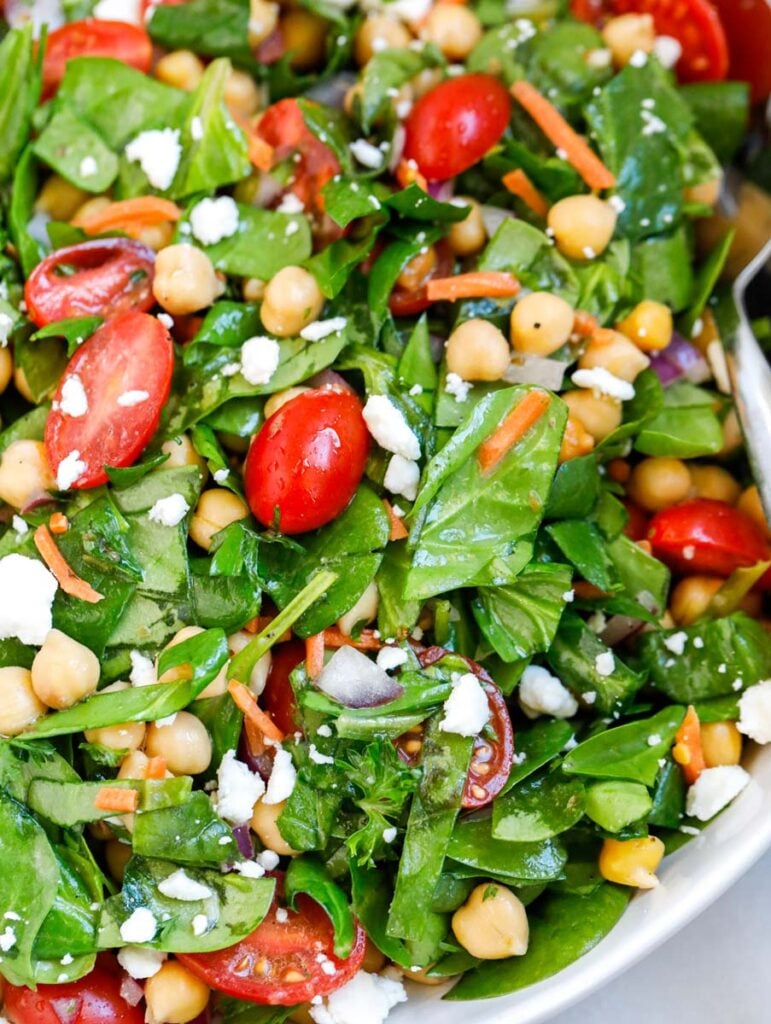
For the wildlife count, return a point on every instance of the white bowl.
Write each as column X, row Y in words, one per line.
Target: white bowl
column 691, row 879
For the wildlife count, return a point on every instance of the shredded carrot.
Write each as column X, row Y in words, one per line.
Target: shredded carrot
column 245, row 700
column 407, row 173
column 584, row 324
column 366, row 640
column 314, row 654
column 398, row 530
column 261, row 622
column 554, row 126
column 479, row 284
column 58, row 523
column 261, row 153
column 131, row 216
column 687, row 750
column 112, row 798
column 67, row 579
column 155, row 768
column 515, row 426
column 518, row 183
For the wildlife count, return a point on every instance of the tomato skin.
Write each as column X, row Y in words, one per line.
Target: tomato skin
column 111, row 275
column 94, row 999
column 130, row 352
column 411, row 302
column 721, row 537
column 283, row 127
column 291, row 945
column 307, row 460
column 94, row 37
column 278, row 696
column 455, row 124
column 747, row 24
column 636, row 527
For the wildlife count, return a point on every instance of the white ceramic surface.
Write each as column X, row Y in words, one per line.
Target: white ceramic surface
column 691, row 879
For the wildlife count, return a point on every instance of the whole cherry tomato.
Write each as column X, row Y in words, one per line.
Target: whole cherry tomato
column 278, row 696
column 94, row 999
column 94, row 38
column 455, row 124
column 283, row 127
column 747, row 24
column 307, row 460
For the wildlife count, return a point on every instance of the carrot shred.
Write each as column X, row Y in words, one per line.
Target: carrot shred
column 66, row 577
column 479, row 284
column 246, row 702
column 155, row 768
column 261, row 622
column 112, row 798
column 687, row 750
column 131, row 216
column 584, row 324
column 407, row 173
column 398, row 530
column 518, row 183
column 366, row 640
column 58, row 523
column 517, row 423
column 554, row 126
column 314, row 654
column 261, row 153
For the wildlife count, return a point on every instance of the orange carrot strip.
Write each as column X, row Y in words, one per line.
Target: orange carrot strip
column 558, row 131
column 687, row 750
column 67, row 579
column 111, row 798
column 155, row 768
column 314, row 654
column 261, row 153
column 407, row 173
column 245, row 700
column 58, row 523
column 517, row 423
column 366, row 640
column 129, row 215
column 584, row 324
column 398, row 530
column 518, row 183
column 479, row 284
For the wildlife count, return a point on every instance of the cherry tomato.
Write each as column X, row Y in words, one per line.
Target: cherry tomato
column 262, row 967
column 707, row 536
column 747, row 24
column 95, row 999
column 94, row 38
column 410, row 302
column 283, row 127
column 306, row 461
column 278, row 696
column 636, row 527
column 130, row 353
column 491, row 759
column 454, row 125
column 99, row 278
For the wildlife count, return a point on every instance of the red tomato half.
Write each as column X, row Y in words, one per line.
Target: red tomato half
column 747, row 24
column 306, row 461
column 278, row 696
column 283, row 127
column 454, row 125
column 94, row 38
column 95, row 999
column 707, row 536
column 412, row 301
column 99, row 278
column 262, row 968
column 131, row 352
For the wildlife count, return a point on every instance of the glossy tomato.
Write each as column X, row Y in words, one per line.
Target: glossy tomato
column 411, row 301
column 747, row 24
column 278, row 696
column 125, row 370
column 306, row 461
column 95, row 999
column 278, row 964
column 98, row 278
column 94, row 38
column 454, row 125
column 283, row 127
column 707, row 536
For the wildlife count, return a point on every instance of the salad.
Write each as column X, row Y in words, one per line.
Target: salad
column 381, row 574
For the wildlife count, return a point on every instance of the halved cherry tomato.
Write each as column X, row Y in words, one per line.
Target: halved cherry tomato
column 747, row 24
column 455, row 124
column 262, row 968
column 94, row 38
column 306, row 461
column 99, row 278
column 491, row 759
column 95, row 999
column 130, row 353
column 411, row 301
column 283, row 127
column 278, row 696
column 707, row 536
column 636, row 527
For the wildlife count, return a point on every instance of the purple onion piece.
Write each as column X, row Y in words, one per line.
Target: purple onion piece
column 243, row 838
column 664, row 370
column 680, row 359
column 261, row 763
column 442, row 191
column 37, row 503
column 131, row 991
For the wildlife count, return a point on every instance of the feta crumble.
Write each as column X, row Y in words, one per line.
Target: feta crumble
column 157, row 152
column 196, row 129
column 317, row 757
column 131, row 398
column 180, row 886
column 139, row 927
column 259, row 359
column 676, row 642
column 27, row 591
column 365, row 999
column 88, row 167
column 282, row 778
column 7, row 939
column 221, row 475
column 238, row 791
column 402, row 477
column 638, row 59
column 73, row 401
column 6, row 326
column 366, row 154
column 755, row 712
column 668, row 50
column 714, row 789
column 169, row 511
column 466, row 710
column 389, row 428
column 600, row 379
column 389, row 834
column 320, row 329
column 541, row 693
column 391, row 658
column 142, row 669
column 140, row 963
column 605, row 663
column 69, row 471
column 290, row 203
column 214, row 219
column 119, row 10
column 456, row 386
column 199, row 924
column 268, row 859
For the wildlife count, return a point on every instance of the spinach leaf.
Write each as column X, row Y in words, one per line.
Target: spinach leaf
column 388, row 70
column 473, row 845
column 615, row 804
column 307, row 875
column 74, row 330
column 397, row 615
column 334, row 264
column 686, row 427
column 20, row 80
column 645, row 579
column 416, row 364
column 557, row 63
column 669, row 796
column 187, row 833
column 371, row 898
column 582, row 544
column 235, row 1011
column 216, row 28
column 66, row 142
column 720, row 111
column 526, row 252
column 496, row 53
column 536, row 746
column 706, row 280
column 575, row 489
column 417, row 204
column 346, row 200
column 30, row 252
column 538, row 808
column 662, row 268
column 309, row 816
column 70, row 925
column 72, row 803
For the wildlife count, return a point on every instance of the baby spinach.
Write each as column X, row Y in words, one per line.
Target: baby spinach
column 557, row 63
column 707, row 278
column 187, row 833
column 307, row 875
column 583, row 545
column 216, row 28
column 30, row 249
column 575, row 488
column 720, row 111
column 536, row 746
column 661, row 267
column 309, row 816
column 539, row 808
column 473, row 845
column 72, row 803
column 370, row 903
column 615, row 804
column 20, row 80
column 685, row 427
column 645, row 579
column 74, row 330
column 526, row 252
column 66, row 142
column 388, row 70
column 668, row 805
column 266, row 241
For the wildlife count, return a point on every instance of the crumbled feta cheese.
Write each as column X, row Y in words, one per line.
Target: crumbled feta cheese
column 196, row 129
column 654, row 739
column 290, row 203
column 268, row 859
column 589, row 697
column 140, row 963
column 456, row 386
column 231, row 369
column 415, row 390
column 390, row 658
column 389, row 834
column 180, row 886
column 7, row 939
column 239, row 790
column 597, row 622
column 27, row 591
column 676, row 642
column 688, row 553
column 689, row 830
column 320, row 329
column 365, row 999
column 466, row 710
column 166, row 320
column 325, row 731
column 282, row 778
column 142, row 669
column 755, row 712
column 19, row 526
column 169, row 511
column 158, row 153
column 617, row 203
column 317, row 757
column 221, row 475
column 6, row 326
column 605, row 663
column 389, row 428
column 402, row 477
column 600, row 379
column 698, row 642
column 589, row 252
column 250, row 869
column 541, row 693
column 11, row 915
column 214, row 219
column 69, row 471
column 139, row 927
column 167, row 720
column 714, row 789
column 652, row 124
column 367, row 154
column 88, row 167
column 199, row 924
column 291, row 229
column 132, row 398
column 638, row 59
column 668, row 50
column 259, row 359
column 569, row 595
column 119, row 10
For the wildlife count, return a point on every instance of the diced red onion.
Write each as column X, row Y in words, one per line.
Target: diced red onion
column 680, row 359
column 620, row 627
column 352, row 679
column 442, row 191
column 243, row 838
column 131, row 991
column 261, row 763
column 547, row 373
column 493, row 217
column 37, row 502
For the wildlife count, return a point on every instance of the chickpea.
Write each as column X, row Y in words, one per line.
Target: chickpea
column 22, row 385
column 600, row 414
column 492, row 923
column 134, row 765
column 425, row 81
column 732, row 434
column 707, row 192
column 91, row 206
column 263, row 18
column 184, row 742
column 583, row 226
column 749, row 503
column 6, row 368
column 216, row 509
column 305, row 38
column 64, row 671
column 242, row 94
column 415, row 272
column 60, row 199
column 292, row 300
column 364, row 610
column 649, row 326
column 175, row 995
column 721, row 743
column 156, row 236
column 185, row 280
column 181, row 453
column 691, row 597
column 280, row 398
column 455, row 29
column 422, row 977
column 615, row 353
column 259, row 675
column 215, row 688
column 265, row 825
column 24, row 473
column 234, row 443
column 127, row 736
column 19, row 705
column 252, row 289
column 658, row 483
column 627, row 34
column 632, row 861
column 117, row 855
column 467, row 236
column 377, row 33
column 181, row 68
column 576, row 440
column 713, row 482
column 374, row 961
column 541, row 323
column 477, row 350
